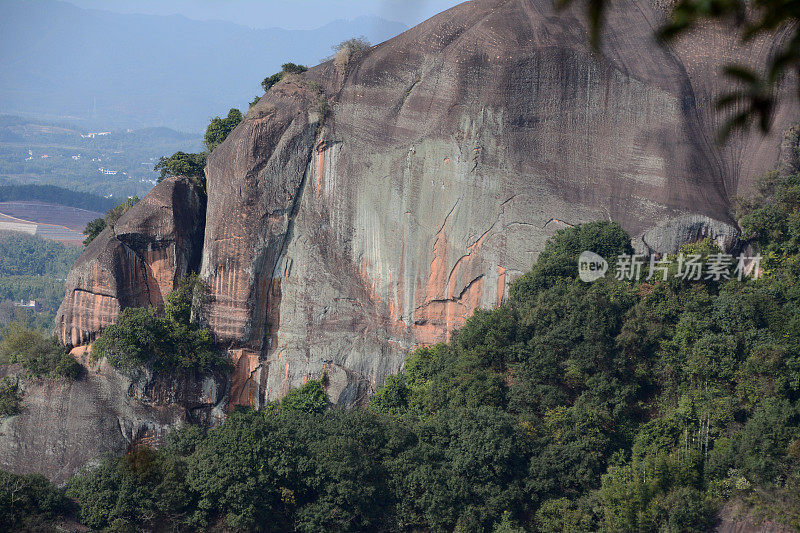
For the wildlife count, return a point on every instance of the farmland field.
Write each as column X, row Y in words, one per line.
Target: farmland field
column 43, row 213
column 110, row 164
column 48, row 221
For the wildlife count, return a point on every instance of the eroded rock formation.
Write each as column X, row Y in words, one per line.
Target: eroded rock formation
column 65, row 425
column 369, row 206
column 451, row 154
column 136, row 263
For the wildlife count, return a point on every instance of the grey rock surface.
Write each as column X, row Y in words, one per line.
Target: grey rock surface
column 668, row 235
column 450, row 155
column 66, row 425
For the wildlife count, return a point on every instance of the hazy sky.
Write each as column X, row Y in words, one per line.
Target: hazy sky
column 290, row 14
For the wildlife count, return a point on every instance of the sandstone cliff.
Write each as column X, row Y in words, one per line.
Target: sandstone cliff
column 371, row 205
column 136, row 263
column 451, row 153
column 65, row 425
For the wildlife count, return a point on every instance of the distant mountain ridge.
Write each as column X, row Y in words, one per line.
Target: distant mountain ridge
column 132, row 71
column 27, row 127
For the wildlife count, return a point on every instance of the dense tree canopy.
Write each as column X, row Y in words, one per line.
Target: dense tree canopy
column 22, row 254
column 29, row 502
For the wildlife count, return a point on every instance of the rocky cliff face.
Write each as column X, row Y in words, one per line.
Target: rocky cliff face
column 451, row 154
column 136, row 263
column 65, row 425
column 372, row 204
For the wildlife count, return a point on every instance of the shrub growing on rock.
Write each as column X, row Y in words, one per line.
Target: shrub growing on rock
column 220, row 128
column 309, row 399
column 96, row 226
column 10, row 398
column 347, row 50
column 40, row 354
column 286, row 68
column 141, row 338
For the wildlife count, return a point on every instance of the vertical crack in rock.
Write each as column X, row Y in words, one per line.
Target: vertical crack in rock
column 447, row 216
column 294, row 209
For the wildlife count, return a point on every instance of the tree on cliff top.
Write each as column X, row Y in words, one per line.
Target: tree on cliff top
column 93, row 229
column 182, row 164
column 96, row 226
column 219, row 128
column 193, row 165
column 286, row 68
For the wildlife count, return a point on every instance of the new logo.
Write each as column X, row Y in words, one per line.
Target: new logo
column 591, row 266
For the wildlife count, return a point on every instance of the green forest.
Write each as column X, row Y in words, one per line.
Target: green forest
column 55, row 195
column 32, row 268
column 618, row 405
column 605, row 406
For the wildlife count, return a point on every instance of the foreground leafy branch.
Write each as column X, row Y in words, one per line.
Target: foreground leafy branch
column 755, row 100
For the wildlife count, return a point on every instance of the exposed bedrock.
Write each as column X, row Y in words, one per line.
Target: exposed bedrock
column 451, row 154
column 65, row 425
column 668, row 235
column 361, row 210
column 136, row 263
